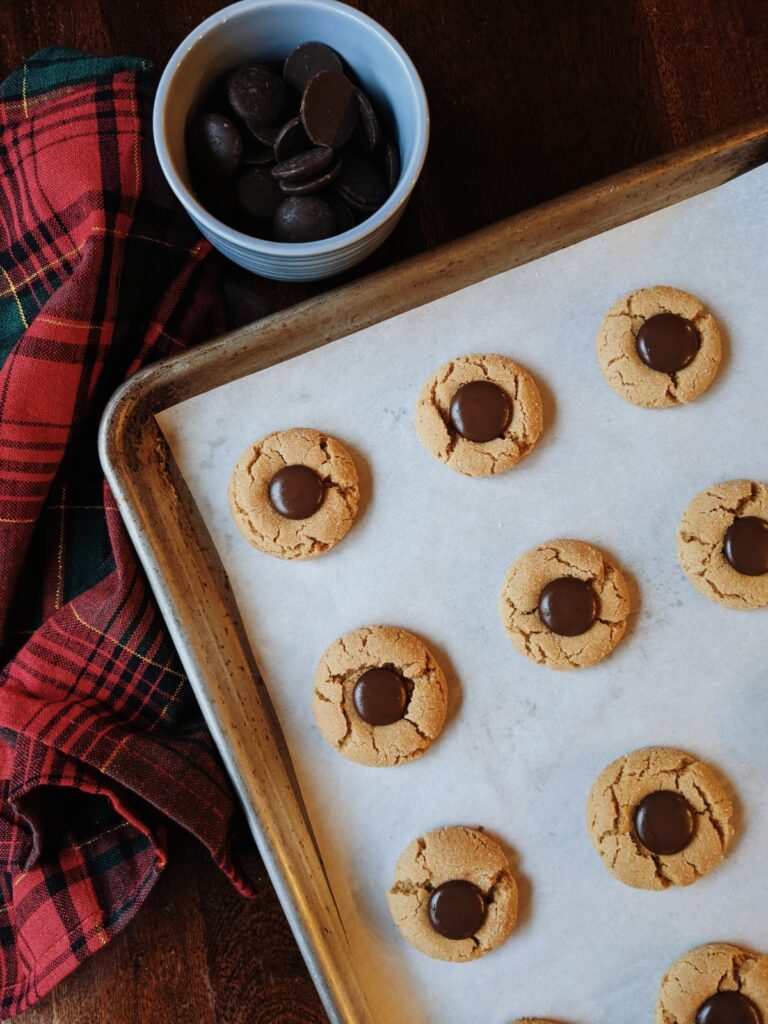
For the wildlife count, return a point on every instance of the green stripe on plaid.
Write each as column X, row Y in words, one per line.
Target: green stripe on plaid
column 56, row 67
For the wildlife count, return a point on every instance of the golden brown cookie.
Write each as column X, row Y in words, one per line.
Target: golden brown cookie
column 658, row 817
column 294, row 494
column 722, row 543
column 715, row 983
column 380, row 696
column 453, row 896
column 564, row 605
column 678, row 338
column 479, row 414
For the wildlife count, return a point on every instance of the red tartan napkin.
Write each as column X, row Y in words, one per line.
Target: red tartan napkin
column 100, row 738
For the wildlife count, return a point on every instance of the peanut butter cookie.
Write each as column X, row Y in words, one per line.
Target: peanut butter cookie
column 722, row 543
column 659, row 347
column 564, row 605
column 453, row 896
column 380, row 696
column 294, row 494
column 715, row 984
column 479, row 414
column 658, row 817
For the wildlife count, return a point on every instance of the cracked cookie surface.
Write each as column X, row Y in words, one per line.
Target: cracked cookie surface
column 519, row 610
column 339, row 670
column 473, row 458
column 271, row 532
column 705, row 971
column 445, row 855
column 625, row 371
column 611, row 817
column 700, row 543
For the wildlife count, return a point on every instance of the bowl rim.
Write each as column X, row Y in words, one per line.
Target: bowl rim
column 408, row 176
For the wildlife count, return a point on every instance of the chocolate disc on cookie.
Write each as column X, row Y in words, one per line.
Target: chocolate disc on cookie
column 664, row 822
column 568, row 606
column 380, row 696
column 728, row 1008
column 667, row 342
column 296, row 492
column 745, row 545
column 329, row 109
column 457, row 909
column 480, row 411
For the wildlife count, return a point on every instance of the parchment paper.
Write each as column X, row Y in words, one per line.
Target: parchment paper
column 523, row 744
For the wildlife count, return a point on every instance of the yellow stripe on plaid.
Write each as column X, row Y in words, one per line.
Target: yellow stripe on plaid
column 12, row 291
column 129, row 650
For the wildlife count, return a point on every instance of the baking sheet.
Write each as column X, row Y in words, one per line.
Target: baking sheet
column 523, row 744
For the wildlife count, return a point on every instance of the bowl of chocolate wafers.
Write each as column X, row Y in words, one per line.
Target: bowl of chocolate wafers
column 293, row 132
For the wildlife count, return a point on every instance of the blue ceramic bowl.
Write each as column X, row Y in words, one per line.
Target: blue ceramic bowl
column 270, row 29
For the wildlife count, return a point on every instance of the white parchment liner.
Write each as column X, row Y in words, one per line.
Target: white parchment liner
column 523, row 744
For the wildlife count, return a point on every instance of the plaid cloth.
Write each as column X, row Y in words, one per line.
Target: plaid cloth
column 100, row 738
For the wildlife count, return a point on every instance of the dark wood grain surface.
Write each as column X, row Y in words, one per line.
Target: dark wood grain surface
column 530, row 99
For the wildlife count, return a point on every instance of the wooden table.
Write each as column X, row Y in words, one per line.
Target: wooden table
column 530, row 99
